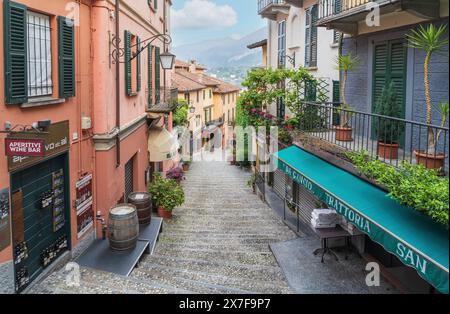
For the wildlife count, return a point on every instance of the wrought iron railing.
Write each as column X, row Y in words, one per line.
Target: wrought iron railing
column 214, row 122
column 167, row 95
column 389, row 139
column 263, row 4
column 328, row 8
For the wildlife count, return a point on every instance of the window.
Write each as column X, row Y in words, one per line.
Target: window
column 198, row 96
column 210, row 93
column 311, row 37
column 207, row 115
column 204, row 94
column 228, row 98
column 39, row 55
column 153, row 4
column 280, row 108
column 336, row 36
column 281, row 43
column 223, row 100
column 132, row 65
column 187, row 97
column 28, row 54
column 233, row 117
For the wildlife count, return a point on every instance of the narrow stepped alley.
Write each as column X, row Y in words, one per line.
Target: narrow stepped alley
column 217, row 242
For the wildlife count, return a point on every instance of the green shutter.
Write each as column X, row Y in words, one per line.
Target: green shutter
column 150, row 75
column 156, row 5
column 138, row 65
column 157, row 75
column 127, row 56
column 15, row 52
column 380, row 69
column 313, row 42
column 307, row 38
column 398, row 57
column 66, row 57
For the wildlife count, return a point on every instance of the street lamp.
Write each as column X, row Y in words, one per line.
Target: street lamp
column 167, row 60
column 192, row 109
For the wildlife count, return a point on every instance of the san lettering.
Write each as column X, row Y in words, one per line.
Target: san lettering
column 409, row 257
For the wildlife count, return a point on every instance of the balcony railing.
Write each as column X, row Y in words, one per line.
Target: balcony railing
column 352, row 11
column 271, row 9
column 405, row 138
column 264, row 4
column 215, row 122
column 168, row 99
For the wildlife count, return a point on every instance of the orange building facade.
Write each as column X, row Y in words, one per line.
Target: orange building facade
column 83, row 146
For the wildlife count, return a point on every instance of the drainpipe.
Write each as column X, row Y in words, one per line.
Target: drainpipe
column 117, row 83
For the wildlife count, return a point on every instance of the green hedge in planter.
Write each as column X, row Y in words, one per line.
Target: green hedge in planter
column 411, row 185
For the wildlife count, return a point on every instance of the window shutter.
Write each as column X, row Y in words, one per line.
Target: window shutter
column 157, row 75
column 66, row 57
column 308, row 38
column 156, row 5
column 380, row 70
column 127, row 56
column 138, row 65
column 150, row 75
column 314, row 17
column 337, row 7
column 398, row 57
column 15, row 52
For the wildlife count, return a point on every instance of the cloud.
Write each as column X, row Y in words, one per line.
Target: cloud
column 203, row 13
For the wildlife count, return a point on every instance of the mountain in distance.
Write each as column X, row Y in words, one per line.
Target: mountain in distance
column 226, row 58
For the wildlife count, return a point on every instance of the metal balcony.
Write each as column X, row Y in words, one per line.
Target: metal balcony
column 168, row 100
column 295, row 3
column 344, row 15
column 271, row 9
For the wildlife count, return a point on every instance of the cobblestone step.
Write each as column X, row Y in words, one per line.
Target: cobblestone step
column 223, row 281
column 251, row 272
column 264, row 258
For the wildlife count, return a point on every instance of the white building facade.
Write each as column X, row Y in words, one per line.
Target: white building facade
column 294, row 40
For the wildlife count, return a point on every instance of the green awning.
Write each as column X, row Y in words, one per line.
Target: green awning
column 413, row 237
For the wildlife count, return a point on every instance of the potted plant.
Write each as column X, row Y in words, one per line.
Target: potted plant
column 430, row 39
column 387, row 130
column 345, row 63
column 252, row 182
column 176, row 174
column 166, row 195
column 344, row 132
column 186, row 165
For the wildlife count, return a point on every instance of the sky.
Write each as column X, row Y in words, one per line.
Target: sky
column 199, row 20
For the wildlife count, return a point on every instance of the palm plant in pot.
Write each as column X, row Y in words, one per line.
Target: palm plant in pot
column 345, row 63
column 387, row 130
column 166, row 195
column 430, row 39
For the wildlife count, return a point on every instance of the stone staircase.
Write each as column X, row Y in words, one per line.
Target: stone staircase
column 217, row 242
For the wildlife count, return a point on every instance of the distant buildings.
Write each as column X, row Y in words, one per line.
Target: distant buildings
column 212, row 102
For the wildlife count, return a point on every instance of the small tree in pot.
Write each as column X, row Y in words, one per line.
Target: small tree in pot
column 430, row 39
column 166, row 194
column 388, row 131
column 345, row 63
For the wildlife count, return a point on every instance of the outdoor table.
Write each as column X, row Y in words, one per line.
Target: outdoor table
column 332, row 233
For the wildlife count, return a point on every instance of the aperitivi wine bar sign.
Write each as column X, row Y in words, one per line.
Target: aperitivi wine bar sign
column 27, row 149
column 24, row 147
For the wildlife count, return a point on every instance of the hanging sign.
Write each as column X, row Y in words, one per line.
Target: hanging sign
column 28, row 149
column 83, row 205
column 24, row 147
column 5, row 237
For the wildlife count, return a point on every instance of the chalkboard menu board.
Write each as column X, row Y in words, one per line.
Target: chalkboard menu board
column 5, row 239
column 58, row 200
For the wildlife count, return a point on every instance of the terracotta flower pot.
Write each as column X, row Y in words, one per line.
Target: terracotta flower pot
column 344, row 134
column 163, row 213
column 185, row 167
column 388, row 151
column 430, row 161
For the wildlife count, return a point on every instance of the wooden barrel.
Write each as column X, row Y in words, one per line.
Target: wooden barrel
column 143, row 203
column 123, row 227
